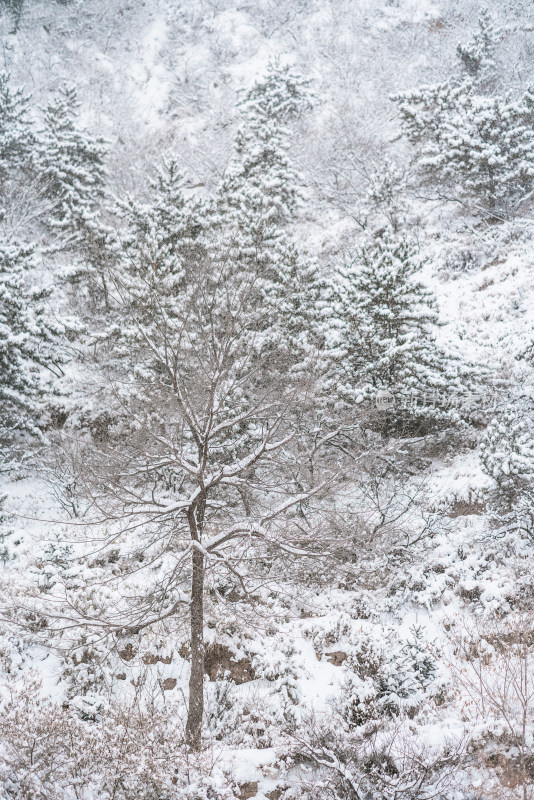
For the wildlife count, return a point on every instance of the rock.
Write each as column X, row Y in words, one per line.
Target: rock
column 154, row 658
column 276, row 794
column 249, row 789
column 510, row 771
column 336, row 657
column 219, row 658
column 121, row 676
column 128, row 652
column 463, row 508
column 168, row 684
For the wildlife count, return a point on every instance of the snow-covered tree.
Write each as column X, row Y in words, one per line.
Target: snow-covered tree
column 209, row 369
column 7, row 553
column 269, row 107
column 385, row 194
column 168, row 227
column 262, row 186
column 17, row 137
column 507, row 450
column 476, row 56
column 89, row 262
column 14, row 7
column 208, row 366
column 156, row 235
column 384, row 345
column 471, row 145
column 71, row 165
column 479, row 148
column 205, row 431
column 257, row 200
column 29, row 343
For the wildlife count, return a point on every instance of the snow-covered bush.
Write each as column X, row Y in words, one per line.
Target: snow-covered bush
column 397, row 764
column 281, row 668
column 59, row 752
column 243, row 716
column 221, row 708
column 386, row 677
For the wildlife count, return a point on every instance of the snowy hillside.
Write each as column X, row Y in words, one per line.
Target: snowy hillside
column 266, row 412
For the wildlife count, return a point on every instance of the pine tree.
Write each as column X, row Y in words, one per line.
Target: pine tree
column 479, row 147
column 261, row 178
column 161, row 247
column 71, row 162
column 257, row 201
column 14, row 7
column 476, row 57
column 17, row 137
column 425, row 111
column 90, row 261
column 507, row 450
column 29, row 343
column 170, row 220
column 482, row 148
column 385, row 194
column 157, row 236
column 7, row 553
column 507, row 457
column 385, row 346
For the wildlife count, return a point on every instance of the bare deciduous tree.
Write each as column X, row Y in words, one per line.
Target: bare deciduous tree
column 199, row 468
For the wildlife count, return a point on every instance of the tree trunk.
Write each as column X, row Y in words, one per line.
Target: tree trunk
column 193, row 730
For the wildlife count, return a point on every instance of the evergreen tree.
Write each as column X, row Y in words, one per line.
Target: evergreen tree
column 507, row 450
column 507, row 456
column 161, row 247
column 385, row 194
column 29, row 343
column 476, row 57
column 14, row 7
column 94, row 255
column 170, row 222
column 255, row 204
column 157, row 236
column 425, row 111
column 71, row 162
column 261, row 179
column 482, row 148
column 479, row 147
column 17, row 138
column 261, row 184
column 7, row 553
column 384, row 345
